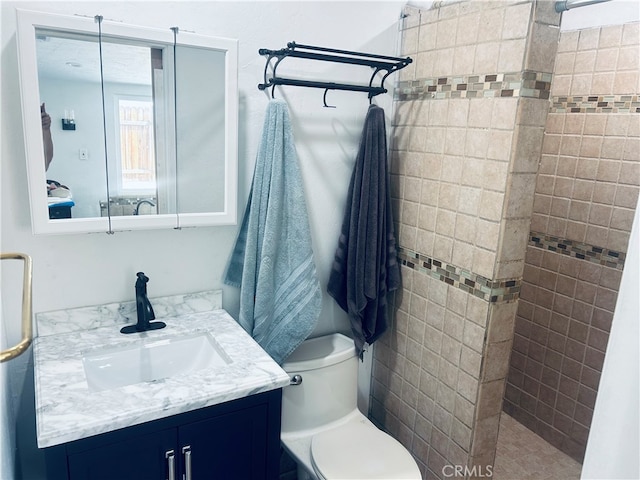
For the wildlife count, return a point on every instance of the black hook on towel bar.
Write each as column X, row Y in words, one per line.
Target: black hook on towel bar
column 309, row 52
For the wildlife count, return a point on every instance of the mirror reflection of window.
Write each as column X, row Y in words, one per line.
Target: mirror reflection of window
column 137, row 153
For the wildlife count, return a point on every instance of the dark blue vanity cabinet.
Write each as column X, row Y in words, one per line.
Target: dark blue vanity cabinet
column 239, row 440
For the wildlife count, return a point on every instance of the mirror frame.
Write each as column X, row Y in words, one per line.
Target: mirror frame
column 27, row 23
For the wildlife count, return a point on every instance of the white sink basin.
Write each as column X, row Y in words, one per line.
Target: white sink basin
column 152, row 360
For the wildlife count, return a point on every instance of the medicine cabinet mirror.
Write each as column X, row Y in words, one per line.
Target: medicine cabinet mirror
column 143, row 125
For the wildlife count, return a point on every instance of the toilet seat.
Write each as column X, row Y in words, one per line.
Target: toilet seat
column 361, row 451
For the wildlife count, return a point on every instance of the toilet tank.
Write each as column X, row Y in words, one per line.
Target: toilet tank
column 329, row 369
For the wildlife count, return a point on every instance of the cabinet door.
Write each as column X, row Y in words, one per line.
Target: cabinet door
column 229, row 446
column 138, row 458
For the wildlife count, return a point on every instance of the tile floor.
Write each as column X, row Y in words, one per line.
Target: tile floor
column 523, row 455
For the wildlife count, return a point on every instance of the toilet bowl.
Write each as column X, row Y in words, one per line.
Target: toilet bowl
column 322, row 428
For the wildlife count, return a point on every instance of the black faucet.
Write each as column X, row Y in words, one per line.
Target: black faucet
column 137, row 209
column 144, row 309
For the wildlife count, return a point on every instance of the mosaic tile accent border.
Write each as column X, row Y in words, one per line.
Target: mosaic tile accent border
column 596, row 104
column 492, row 291
column 521, row 84
column 590, row 253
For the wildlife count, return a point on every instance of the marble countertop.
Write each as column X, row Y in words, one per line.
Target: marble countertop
column 67, row 409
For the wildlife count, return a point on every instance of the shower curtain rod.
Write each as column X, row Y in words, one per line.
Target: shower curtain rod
column 379, row 63
column 564, row 5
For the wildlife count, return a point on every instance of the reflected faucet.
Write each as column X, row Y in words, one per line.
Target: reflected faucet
column 143, row 308
column 137, row 209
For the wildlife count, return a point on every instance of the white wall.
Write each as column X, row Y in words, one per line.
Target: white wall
column 76, row 270
column 611, row 12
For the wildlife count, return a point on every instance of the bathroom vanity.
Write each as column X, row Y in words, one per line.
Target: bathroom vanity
column 197, row 399
column 237, row 439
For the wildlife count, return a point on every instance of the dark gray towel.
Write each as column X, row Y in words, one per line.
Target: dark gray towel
column 365, row 267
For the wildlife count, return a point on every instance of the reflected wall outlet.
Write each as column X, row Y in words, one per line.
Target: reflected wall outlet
column 83, row 154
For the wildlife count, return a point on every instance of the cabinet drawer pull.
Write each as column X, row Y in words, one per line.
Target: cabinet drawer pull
column 171, row 464
column 186, row 451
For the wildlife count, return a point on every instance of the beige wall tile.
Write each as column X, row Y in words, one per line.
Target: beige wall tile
column 626, row 196
column 610, row 36
column 470, row 362
column 596, row 235
column 486, row 59
column 631, row 34
column 590, row 146
column 514, row 238
column 617, row 124
column 477, row 143
column 587, row 168
column 564, row 62
column 584, row 62
column 464, row 60
column 485, row 437
column 499, row 145
column 424, row 242
column 566, row 166
column 495, row 175
column 409, row 42
column 427, row 37
column 443, row 248
column 568, row 41
column 465, row 228
column 608, row 171
column 444, row 62
column 542, row 48
column 528, row 149
column 491, row 205
column 630, row 173
column 606, row 59
column 631, row 153
column 581, row 84
column 467, row 32
column 545, row 13
column 618, row 240
column 576, row 231
column 612, row 148
column 512, row 53
column 595, row 124
column 446, row 33
column 574, row 123
column 484, row 262
column 501, row 321
column 517, row 19
column 504, row 113
column 520, row 196
column 490, row 25
column 490, row 398
column 622, row 219
column 625, row 83
column 462, row 254
column 602, row 83
column 588, row 39
column 628, row 58
column 487, row 234
column 604, row 193
column 561, row 85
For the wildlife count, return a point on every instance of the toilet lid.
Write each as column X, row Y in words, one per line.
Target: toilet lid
column 361, row 451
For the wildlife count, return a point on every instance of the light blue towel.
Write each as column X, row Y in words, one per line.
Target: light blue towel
column 272, row 262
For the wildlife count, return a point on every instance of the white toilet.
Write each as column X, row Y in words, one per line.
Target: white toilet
column 322, row 428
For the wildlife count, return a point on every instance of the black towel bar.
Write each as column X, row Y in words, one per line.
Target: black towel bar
column 380, row 63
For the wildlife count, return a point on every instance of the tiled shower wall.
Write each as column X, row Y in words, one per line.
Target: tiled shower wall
column 586, row 193
column 468, row 133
